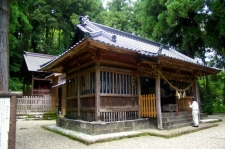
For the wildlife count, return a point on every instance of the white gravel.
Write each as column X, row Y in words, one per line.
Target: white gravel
column 30, row 135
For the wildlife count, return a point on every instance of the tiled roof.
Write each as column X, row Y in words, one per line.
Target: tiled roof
column 126, row 41
column 130, row 42
column 34, row 60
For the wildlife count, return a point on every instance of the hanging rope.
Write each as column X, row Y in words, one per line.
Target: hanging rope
column 175, row 88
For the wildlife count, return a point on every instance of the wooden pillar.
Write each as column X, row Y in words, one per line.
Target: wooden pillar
column 197, row 96
column 32, row 84
column 64, row 100
column 158, row 102
column 24, row 83
column 78, row 92
column 139, row 92
column 97, row 93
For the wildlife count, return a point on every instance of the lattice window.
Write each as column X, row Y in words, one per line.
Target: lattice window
column 88, row 84
column 117, row 83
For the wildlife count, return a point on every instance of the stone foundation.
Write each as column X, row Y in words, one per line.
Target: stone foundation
column 96, row 128
column 171, row 120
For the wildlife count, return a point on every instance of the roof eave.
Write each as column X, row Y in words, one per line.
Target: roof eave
column 55, row 63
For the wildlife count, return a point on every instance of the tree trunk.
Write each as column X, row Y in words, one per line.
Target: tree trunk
column 4, row 45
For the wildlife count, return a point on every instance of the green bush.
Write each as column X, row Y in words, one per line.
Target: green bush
column 212, row 93
column 15, row 84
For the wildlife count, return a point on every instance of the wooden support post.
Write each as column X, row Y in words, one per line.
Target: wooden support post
column 97, row 93
column 139, row 92
column 158, row 102
column 78, row 93
column 197, row 96
column 32, row 90
column 64, row 100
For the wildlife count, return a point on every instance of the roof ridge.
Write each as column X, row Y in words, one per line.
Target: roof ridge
column 129, row 35
column 94, row 30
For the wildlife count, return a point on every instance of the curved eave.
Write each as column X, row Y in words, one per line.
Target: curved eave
column 201, row 69
column 207, row 70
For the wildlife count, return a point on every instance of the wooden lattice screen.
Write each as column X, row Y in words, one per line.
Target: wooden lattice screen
column 183, row 104
column 34, row 104
column 148, row 105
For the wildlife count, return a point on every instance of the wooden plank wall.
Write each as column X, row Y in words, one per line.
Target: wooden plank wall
column 118, row 99
column 183, row 104
column 148, row 105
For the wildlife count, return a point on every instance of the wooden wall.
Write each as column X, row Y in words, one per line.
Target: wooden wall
column 118, row 95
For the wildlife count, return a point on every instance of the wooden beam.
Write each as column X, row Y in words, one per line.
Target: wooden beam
column 82, row 72
column 72, row 70
column 121, row 70
column 119, row 109
column 43, row 79
column 114, row 63
column 118, row 95
column 188, row 66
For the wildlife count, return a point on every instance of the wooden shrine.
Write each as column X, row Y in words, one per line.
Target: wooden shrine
column 113, row 76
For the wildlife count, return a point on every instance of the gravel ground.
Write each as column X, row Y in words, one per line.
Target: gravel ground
column 30, row 135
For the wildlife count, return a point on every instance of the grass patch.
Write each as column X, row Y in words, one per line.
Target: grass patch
column 49, row 116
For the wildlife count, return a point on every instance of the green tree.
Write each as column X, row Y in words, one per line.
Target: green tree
column 175, row 23
column 44, row 26
column 212, row 93
column 120, row 15
column 215, row 30
column 19, row 41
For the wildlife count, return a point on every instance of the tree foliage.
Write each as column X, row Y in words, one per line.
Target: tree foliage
column 44, row 26
column 119, row 15
column 212, row 93
column 176, row 23
column 215, row 27
column 194, row 27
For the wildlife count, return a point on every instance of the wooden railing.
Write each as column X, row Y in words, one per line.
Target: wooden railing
column 148, row 105
column 34, row 104
column 183, row 104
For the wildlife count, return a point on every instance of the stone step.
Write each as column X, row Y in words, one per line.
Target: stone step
column 203, row 116
column 175, row 122
column 172, row 120
column 179, row 125
column 176, row 118
column 169, row 114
